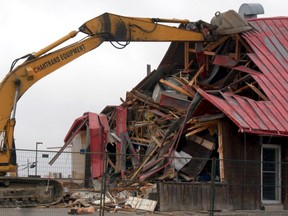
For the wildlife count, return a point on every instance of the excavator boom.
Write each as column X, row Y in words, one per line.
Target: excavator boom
column 106, row 27
column 119, row 28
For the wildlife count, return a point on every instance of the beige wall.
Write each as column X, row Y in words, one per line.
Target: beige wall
column 78, row 160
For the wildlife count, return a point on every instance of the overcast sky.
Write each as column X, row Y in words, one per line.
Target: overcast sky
column 47, row 110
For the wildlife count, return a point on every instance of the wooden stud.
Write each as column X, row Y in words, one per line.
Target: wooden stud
column 196, row 131
column 257, row 91
column 220, row 151
column 177, row 88
column 186, row 55
column 196, row 75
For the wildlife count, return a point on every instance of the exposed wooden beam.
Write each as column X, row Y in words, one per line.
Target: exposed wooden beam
column 177, row 88
column 257, row 91
column 220, row 151
column 193, row 81
column 203, row 142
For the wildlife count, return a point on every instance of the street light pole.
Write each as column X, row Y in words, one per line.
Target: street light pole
column 36, row 161
column 28, row 167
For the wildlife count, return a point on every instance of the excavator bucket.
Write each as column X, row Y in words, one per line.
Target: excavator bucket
column 229, row 22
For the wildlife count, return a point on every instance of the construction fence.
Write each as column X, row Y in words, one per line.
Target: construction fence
column 245, row 184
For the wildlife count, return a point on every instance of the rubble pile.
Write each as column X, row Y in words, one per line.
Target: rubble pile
column 165, row 123
column 125, row 199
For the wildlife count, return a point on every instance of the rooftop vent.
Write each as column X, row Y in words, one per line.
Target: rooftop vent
column 250, row 10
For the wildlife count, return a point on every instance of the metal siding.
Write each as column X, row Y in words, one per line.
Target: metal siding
column 226, row 109
column 273, row 64
column 282, row 26
column 250, row 112
column 241, row 111
column 273, row 121
column 269, row 43
column 264, row 125
column 266, row 64
column 277, row 40
column 277, row 115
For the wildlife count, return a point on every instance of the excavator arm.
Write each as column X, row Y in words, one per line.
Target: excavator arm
column 106, row 27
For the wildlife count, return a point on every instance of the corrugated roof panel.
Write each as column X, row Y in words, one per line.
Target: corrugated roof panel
column 264, row 125
column 273, row 35
column 273, row 121
column 241, row 111
column 278, row 115
column 266, row 86
column 269, row 43
column 276, row 37
column 282, row 26
column 250, row 112
column 273, row 63
column 277, row 84
column 225, row 107
column 264, row 50
column 258, row 117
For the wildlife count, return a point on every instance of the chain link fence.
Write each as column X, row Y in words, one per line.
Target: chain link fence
column 168, row 185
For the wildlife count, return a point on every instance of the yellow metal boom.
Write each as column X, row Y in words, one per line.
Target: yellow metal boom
column 106, row 27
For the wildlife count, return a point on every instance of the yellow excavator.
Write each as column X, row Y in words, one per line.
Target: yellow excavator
column 16, row 191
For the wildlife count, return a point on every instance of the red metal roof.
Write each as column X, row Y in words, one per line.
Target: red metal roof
column 270, row 43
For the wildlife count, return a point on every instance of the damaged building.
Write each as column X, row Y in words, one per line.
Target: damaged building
column 213, row 112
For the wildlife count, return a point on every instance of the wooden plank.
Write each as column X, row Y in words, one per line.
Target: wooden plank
column 199, row 140
column 206, row 117
column 192, row 196
column 201, row 69
column 220, row 151
column 257, row 91
column 142, row 140
column 201, row 124
column 156, row 141
column 243, row 88
column 186, row 54
column 177, row 88
column 196, row 131
column 146, row 100
column 137, row 171
column 205, row 52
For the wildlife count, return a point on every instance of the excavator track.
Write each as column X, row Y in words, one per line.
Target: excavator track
column 29, row 192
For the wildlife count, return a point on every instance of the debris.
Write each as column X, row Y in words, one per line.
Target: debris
column 142, row 204
column 82, row 210
column 168, row 105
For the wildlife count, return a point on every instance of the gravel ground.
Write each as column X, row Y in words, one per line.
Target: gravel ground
column 64, row 211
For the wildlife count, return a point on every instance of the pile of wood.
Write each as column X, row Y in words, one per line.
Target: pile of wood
column 124, row 199
column 156, row 132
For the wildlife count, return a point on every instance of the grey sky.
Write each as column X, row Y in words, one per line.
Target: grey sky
column 99, row 78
